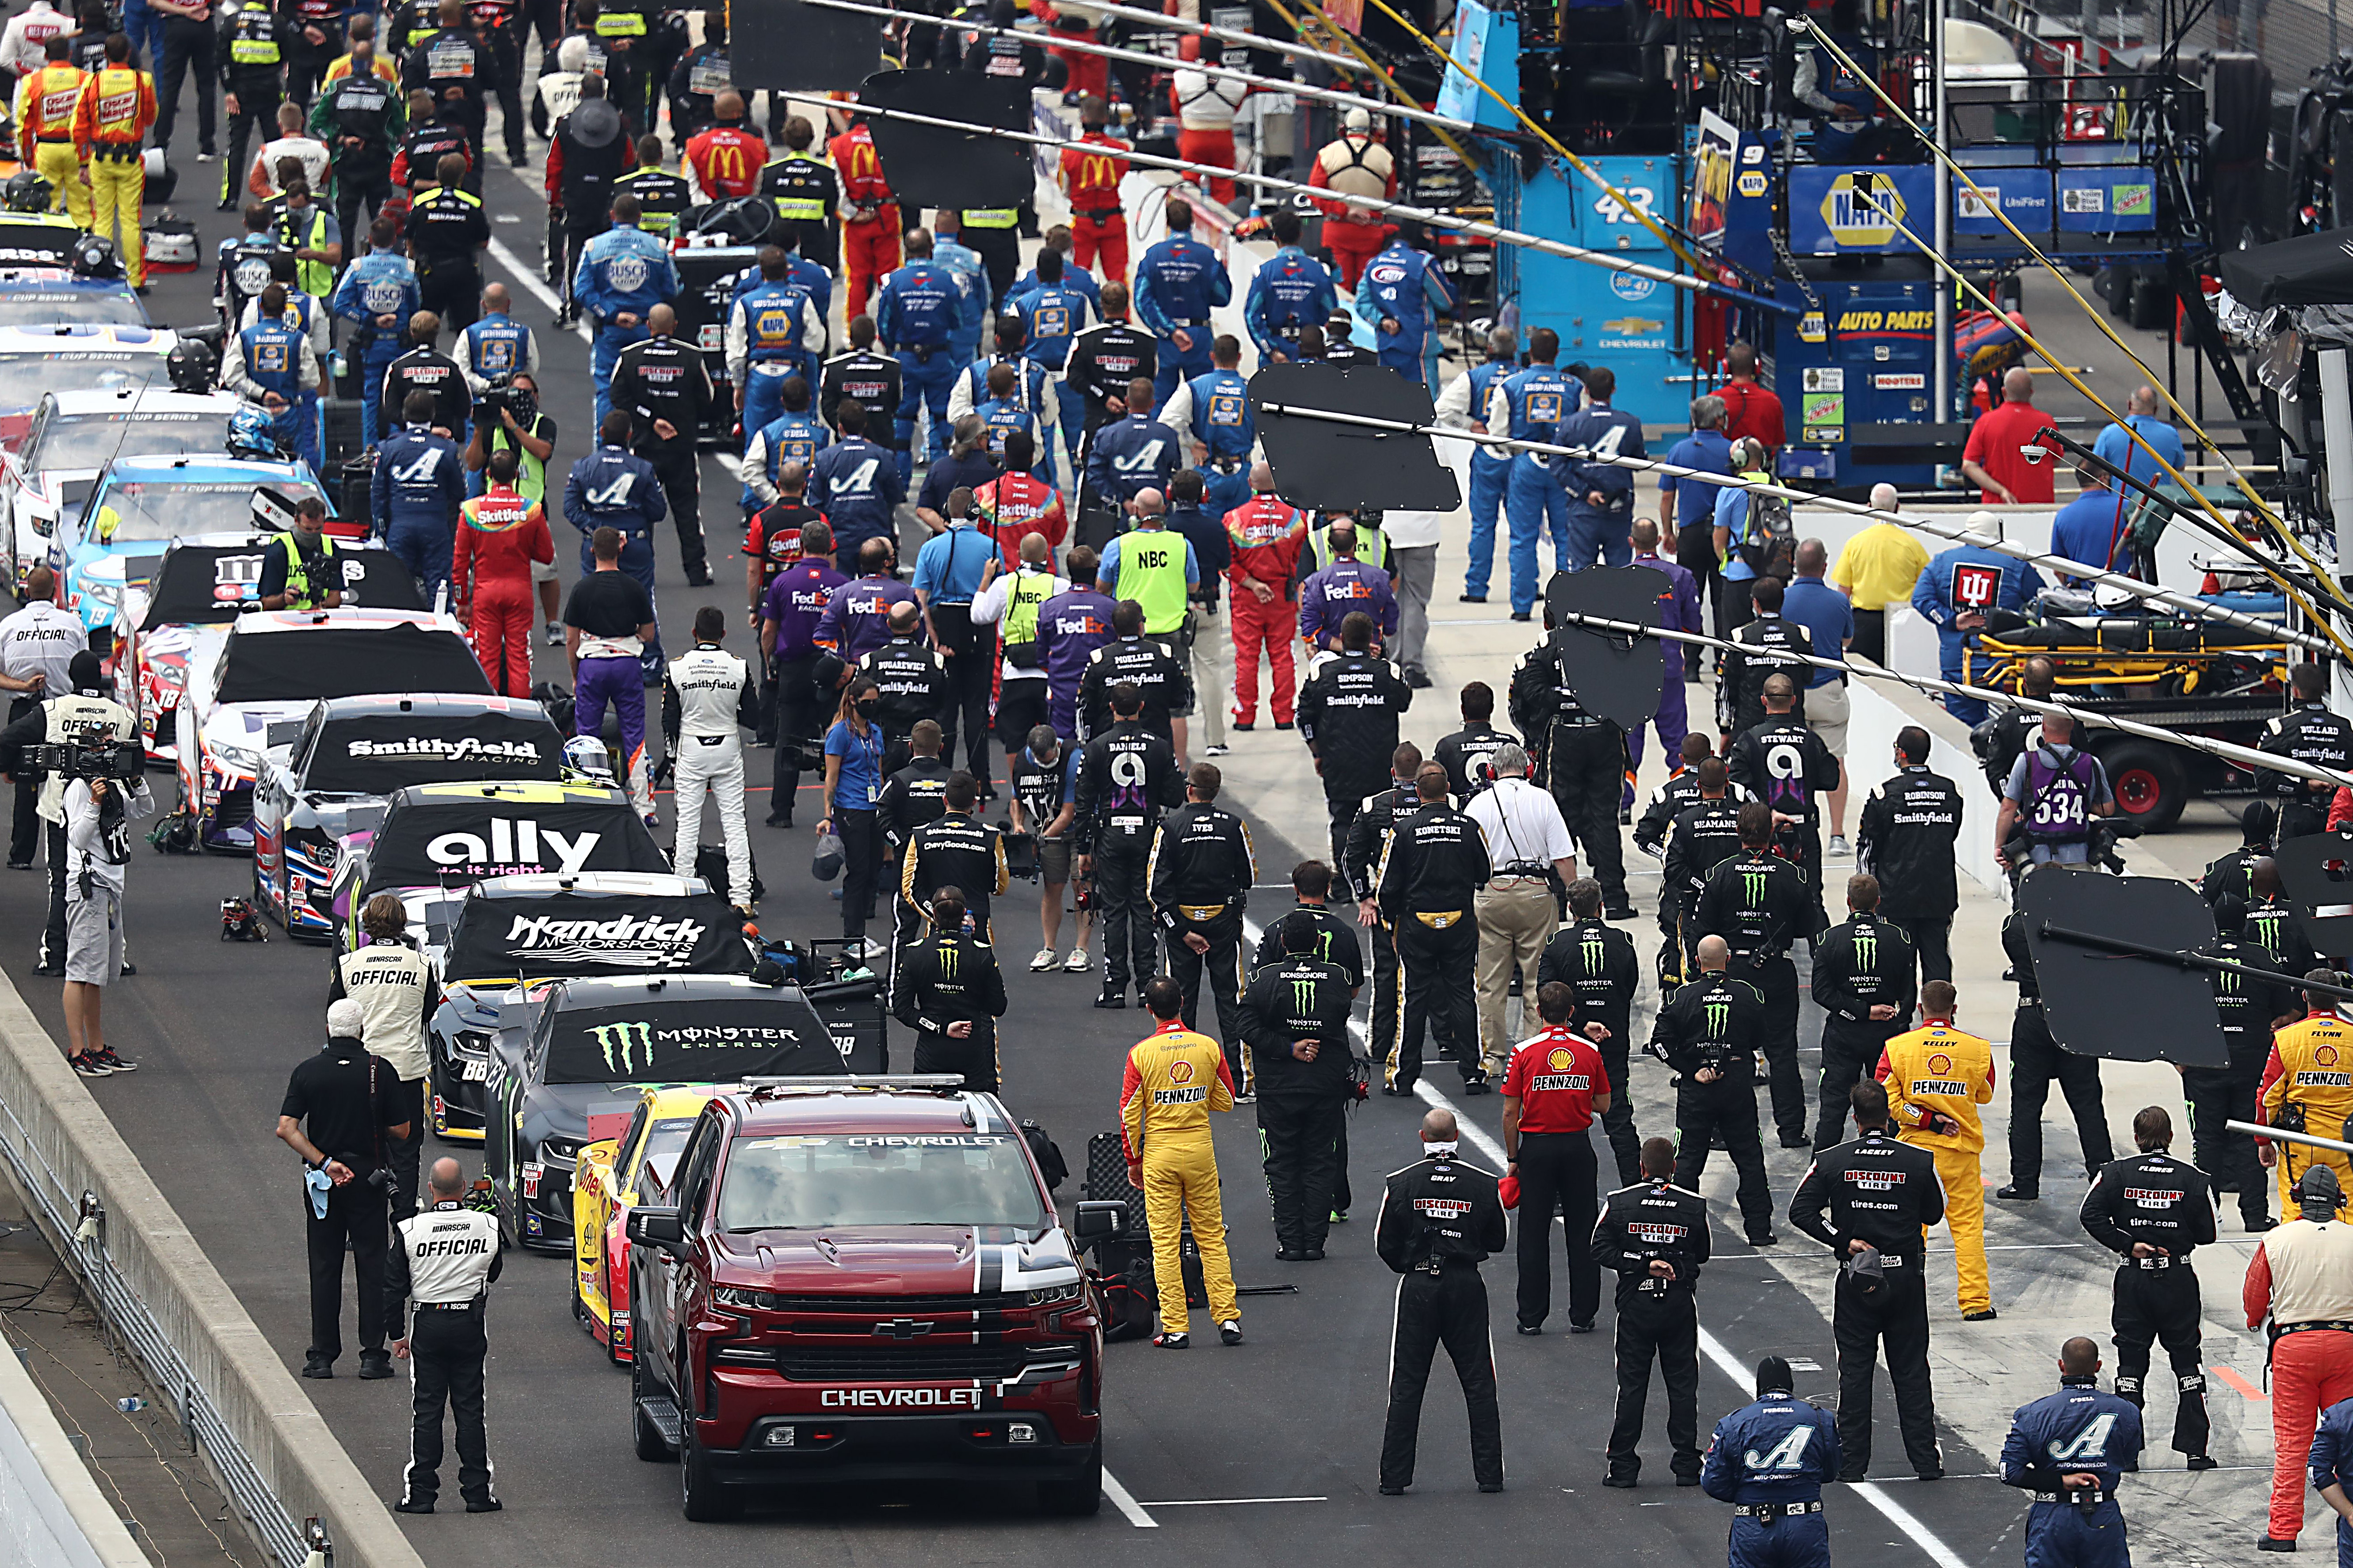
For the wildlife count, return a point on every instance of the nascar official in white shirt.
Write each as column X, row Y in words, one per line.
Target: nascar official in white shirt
column 37, row 648
column 445, row 1259
column 397, row 990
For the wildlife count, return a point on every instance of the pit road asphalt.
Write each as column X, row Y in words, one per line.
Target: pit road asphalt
column 1263, row 1454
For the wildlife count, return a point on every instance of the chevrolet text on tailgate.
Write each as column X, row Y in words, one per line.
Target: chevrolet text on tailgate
column 864, row 1278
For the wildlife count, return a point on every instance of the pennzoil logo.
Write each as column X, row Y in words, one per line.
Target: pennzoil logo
column 1181, row 1071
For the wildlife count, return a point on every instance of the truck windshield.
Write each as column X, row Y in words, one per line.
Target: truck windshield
column 792, row 1183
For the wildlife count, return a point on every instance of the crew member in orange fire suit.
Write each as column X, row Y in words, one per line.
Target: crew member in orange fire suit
column 2302, row 1279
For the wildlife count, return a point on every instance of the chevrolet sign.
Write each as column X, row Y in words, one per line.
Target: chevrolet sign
column 900, row 1399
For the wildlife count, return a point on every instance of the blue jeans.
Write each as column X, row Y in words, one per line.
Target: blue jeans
column 145, row 27
column 925, row 386
column 1594, row 533
column 1488, row 476
column 1532, row 498
column 1968, row 709
column 602, row 357
column 423, row 545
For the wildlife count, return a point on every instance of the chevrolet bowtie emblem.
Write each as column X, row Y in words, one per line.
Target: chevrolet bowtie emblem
column 903, row 1329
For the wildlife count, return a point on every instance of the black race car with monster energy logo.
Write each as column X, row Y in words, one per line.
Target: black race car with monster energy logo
column 567, row 1062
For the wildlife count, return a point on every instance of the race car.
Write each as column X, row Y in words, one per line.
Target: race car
column 529, row 930
column 51, row 296
column 252, row 699
column 585, row 1048
column 138, row 506
column 74, row 357
column 176, row 615
column 353, row 753
column 613, row 1175
column 437, row 840
column 76, row 434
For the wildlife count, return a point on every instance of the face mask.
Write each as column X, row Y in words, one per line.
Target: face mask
column 869, row 706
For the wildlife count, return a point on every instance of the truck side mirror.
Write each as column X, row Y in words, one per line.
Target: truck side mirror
column 661, row 1228
column 1093, row 1223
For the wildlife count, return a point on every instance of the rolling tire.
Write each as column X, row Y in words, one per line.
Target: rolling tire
column 2150, row 785
column 651, row 1445
column 1075, row 1499
column 703, row 1498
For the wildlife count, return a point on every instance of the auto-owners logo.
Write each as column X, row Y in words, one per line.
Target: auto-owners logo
column 634, row 942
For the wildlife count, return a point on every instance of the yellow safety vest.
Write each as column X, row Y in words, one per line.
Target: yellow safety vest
column 314, row 278
column 991, row 218
column 530, row 474
column 1152, row 572
column 298, row 592
column 1029, row 591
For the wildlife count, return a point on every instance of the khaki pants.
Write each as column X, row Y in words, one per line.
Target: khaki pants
column 1516, row 918
column 1210, row 656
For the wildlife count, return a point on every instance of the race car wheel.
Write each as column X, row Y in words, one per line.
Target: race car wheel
column 2150, row 785
column 1078, row 1499
column 651, row 1447
column 705, row 1500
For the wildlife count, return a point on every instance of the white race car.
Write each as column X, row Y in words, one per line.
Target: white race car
column 76, row 434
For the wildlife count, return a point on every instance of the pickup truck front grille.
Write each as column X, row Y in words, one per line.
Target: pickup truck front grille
column 865, row 1306
column 902, row 1364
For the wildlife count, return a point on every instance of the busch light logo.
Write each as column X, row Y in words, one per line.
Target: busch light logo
column 381, row 297
column 252, row 275
column 627, row 273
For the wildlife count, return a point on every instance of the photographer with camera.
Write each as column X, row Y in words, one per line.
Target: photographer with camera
column 99, row 804
column 507, row 419
column 301, row 574
column 78, row 728
column 340, row 1107
column 37, row 645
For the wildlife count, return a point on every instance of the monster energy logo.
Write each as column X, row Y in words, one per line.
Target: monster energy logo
column 2227, row 980
column 1752, row 885
column 1591, row 946
column 1303, row 995
column 620, row 1042
column 1866, row 950
column 1719, row 1018
column 948, row 951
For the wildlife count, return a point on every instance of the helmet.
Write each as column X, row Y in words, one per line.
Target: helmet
column 190, row 366
column 251, row 434
column 26, row 192
column 93, row 257
column 585, row 758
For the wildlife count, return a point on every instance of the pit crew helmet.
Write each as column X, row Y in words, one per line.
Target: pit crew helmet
column 26, row 192
column 93, row 257
column 251, row 434
column 190, row 366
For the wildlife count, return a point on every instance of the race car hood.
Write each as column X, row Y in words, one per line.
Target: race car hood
column 891, row 1260
column 236, row 736
column 54, row 494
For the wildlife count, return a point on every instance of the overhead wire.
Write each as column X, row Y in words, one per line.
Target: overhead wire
column 2182, row 604
column 1380, row 72
column 1603, row 259
column 1993, row 204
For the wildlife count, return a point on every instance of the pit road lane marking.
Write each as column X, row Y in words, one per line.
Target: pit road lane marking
column 2246, row 1390
column 1226, row 1502
column 1125, row 1500
column 535, row 285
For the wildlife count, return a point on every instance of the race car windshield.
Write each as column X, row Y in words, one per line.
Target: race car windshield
column 664, row 1142
column 93, row 440
column 959, row 1178
column 169, row 509
column 715, row 1040
column 78, row 372
column 70, row 307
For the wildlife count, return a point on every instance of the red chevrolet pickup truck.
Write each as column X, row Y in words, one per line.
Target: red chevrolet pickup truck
column 865, row 1280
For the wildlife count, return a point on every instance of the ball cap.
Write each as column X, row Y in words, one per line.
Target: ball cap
column 1358, row 120
column 1773, row 1376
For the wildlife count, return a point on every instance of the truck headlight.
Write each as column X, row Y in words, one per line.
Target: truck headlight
column 1054, row 1295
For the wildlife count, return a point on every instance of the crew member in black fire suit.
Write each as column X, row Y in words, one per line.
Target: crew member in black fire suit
column 1584, row 765
column 1654, row 1234
column 1703, row 835
column 2308, row 733
column 1908, row 829
column 912, row 677
column 1127, row 777
column 1862, row 982
column 1598, row 962
column 1867, row 1202
column 2249, row 1010
column 1760, row 904
column 950, row 995
column 1368, row 841
column 1710, row 1035
column 2153, row 1210
column 1789, row 768
column 1150, row 665
column 958, row 850
column 1295, row 1020
column 1348, row 714
column 1440, row 1219
column 445, row 1259
column 1200, row 875
column 1435, row 866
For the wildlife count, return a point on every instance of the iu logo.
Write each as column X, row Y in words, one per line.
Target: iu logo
column 1975, row 584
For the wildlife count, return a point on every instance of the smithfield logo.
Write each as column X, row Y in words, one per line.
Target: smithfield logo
column 460, row 748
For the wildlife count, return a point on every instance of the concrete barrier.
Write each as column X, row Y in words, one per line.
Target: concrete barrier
column 1880, row 710
column 161, row 1297
column 51, row 1510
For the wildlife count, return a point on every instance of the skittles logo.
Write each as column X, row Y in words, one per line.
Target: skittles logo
column 1180, row 1072
column 1560, row 1059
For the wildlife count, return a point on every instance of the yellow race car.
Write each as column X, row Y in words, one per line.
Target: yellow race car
column 615, row 1173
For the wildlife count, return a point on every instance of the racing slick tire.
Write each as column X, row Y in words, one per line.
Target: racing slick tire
column 704, row 1498
column 2150, row 782
column 1078, row 1499
column 652, row 1446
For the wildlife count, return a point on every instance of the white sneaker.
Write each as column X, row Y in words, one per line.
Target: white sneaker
column 1077, row 963
column 1221, row 750
column 1838, row 849
column 1043, row 962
